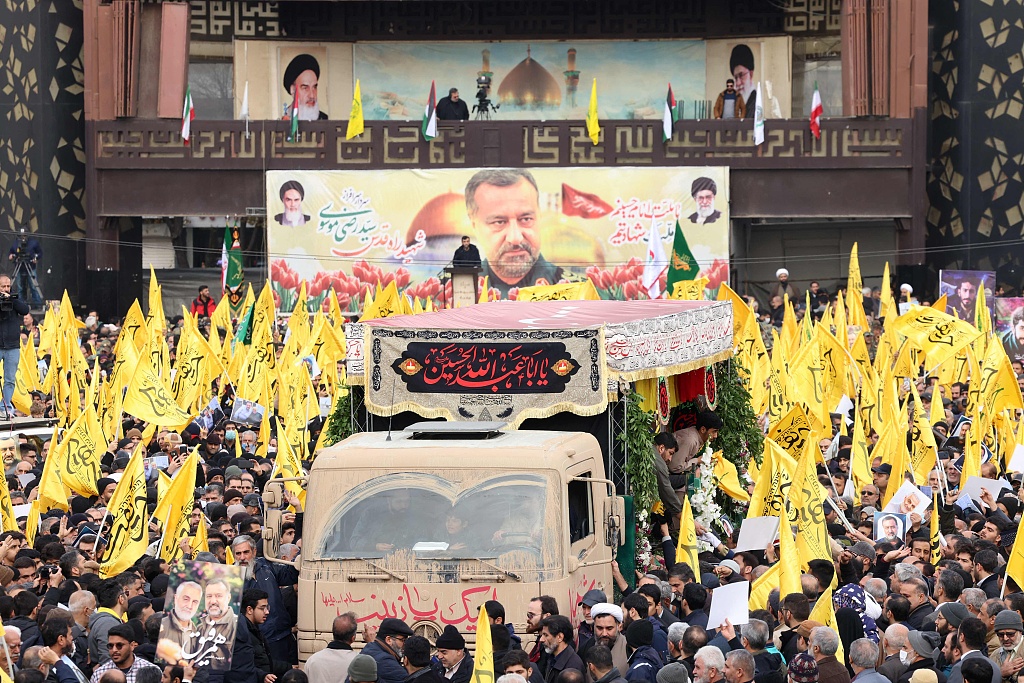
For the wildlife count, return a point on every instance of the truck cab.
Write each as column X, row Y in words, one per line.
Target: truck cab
column 429, row 523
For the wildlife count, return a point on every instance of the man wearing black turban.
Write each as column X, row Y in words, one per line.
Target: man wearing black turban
column 741, row 66
column 703, row 190
column 302, row 77
column 292, row 194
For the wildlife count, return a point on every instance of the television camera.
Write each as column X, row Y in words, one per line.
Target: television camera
column 484, row 106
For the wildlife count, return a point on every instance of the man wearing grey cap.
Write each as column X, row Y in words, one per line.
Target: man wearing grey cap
column 585, row 632
column 363, row 669
column 1009, row 659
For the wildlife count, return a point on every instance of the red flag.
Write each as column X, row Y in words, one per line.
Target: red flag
column 816, row 112
column 583, row 204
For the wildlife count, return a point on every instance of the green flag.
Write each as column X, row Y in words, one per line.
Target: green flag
column 682, row 265
column 244, row 333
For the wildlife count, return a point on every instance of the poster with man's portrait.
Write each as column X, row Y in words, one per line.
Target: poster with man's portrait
column 1009, row 326
column 768, row 61
column 890, row 527
column 321, row 73
column 201, row 614
column 244, row 411
column 961, row 290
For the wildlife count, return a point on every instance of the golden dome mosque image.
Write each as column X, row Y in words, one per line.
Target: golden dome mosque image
column 529, row 85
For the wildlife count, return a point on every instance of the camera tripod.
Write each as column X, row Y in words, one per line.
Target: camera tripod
column 25, row 281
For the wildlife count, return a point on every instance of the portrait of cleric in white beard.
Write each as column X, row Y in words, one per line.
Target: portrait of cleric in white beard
column 301, row 83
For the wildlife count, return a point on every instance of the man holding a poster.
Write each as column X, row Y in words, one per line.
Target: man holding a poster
column 504, row 206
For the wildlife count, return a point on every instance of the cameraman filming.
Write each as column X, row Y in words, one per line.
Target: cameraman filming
column 25, row 254
column 451, row 108
column 12, row 312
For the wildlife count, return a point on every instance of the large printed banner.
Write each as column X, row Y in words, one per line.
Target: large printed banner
column 353, row 230
column 507, row 375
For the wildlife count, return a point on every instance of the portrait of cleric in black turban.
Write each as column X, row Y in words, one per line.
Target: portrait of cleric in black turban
column 741, row 67
column 292, row 194
column 704, row 190
column 301, row 83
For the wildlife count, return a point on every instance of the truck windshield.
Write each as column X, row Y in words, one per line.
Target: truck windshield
column 509, row 520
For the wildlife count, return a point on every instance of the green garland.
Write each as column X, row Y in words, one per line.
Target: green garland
column 740, row 437
column 636, row 438
column 340, row 427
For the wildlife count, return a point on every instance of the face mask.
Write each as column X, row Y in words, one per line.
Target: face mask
column 230, row 434
column 905, row 657
column 271, row 450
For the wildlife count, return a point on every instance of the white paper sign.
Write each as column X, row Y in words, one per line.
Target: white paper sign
column 25, row 479
column 21, row 510
column 1017, row 459
column 975, row 485
column 116, row 476
column 756, row 533
column 730, row 602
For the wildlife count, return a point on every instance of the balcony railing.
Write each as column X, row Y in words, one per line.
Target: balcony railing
column 226, row 145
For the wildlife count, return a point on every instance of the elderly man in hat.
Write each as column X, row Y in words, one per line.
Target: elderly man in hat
column 386, row 650
column 453, row 662
column 783, row 287
column 292, row 194
column 921, row 653
column 1009, row 658
column 301, row 82
column 704, row 190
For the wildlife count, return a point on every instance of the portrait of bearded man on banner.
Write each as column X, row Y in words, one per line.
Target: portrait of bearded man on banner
column 302, row 85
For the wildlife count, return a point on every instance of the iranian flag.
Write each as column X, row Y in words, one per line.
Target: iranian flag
column 430, row 115
column 187, row 114
column 671, row 116
column 656, row 263
column 816, row 112
column 293, row 126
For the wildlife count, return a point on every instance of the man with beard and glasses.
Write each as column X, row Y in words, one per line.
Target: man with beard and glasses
column 270, row 578
column 504, row 205
column 292, row 193
column 704, row 190
column 217, row 626
column 302, row 82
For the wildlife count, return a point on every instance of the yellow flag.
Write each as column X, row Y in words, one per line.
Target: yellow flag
column 728, row 478
column 998, row 388
column 805, row 383
column 740, row 310
column 807, row 507
column 298, row 323
column 355, row 117
column 190, row 367
column 939, row 335
column 129, row 535
column 941, row 303
column 485, row 290
column 773, row 482
column 32, row 523
column 792, row 432
column 79, row 453
column 483, row 667
column 825, row 614
column 854, row 283
column 936, row 556
column 52, row 493
column 150, row 401
column 924, row 456
column 287, row 464
column 689, row 290
column 789, row 575
column 860, row 459
column 763, row 586
column 180, row 497
column 201, row 542
column 163, row 482
column 134, row 328
column 686, row 549
column 26, row 379
column 157, row 320
column 790, row 330
column 894, row 432
column 593, row 127
column 887, row 306
column 6, row 509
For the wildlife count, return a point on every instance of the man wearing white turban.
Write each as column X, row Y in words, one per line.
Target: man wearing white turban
column 783, row 287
